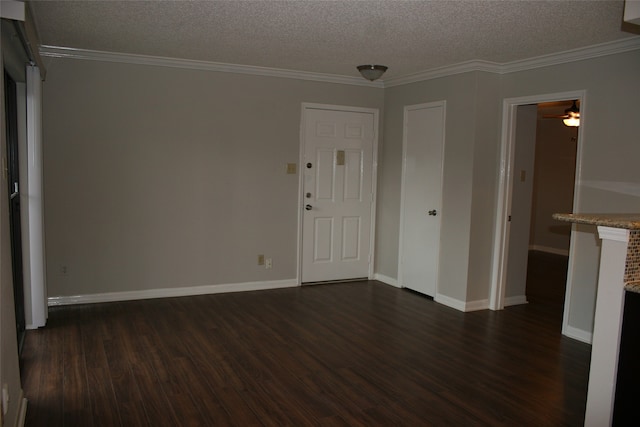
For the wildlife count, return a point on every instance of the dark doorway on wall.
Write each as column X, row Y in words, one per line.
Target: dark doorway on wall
column 11, row 119
column 553, row 188
column 543, row 181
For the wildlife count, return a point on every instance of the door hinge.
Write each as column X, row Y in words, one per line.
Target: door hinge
column 509, row 219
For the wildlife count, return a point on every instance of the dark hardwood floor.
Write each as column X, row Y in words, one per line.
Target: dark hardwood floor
column 352, row 354
column 546, row 278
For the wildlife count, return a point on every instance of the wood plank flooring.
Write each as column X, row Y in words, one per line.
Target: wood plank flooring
column 352, row 354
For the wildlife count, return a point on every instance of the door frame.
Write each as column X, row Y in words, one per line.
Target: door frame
column 374, row 177
column 505, row 190
column 443, row 104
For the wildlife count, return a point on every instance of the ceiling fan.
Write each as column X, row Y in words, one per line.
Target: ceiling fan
column 571, row 116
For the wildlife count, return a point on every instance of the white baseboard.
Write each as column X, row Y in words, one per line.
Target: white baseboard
column 577, row 334
column 549, row 250
column 462, row 305
column 170, row 292
column 482, row 304
column 386, row 280
column 517, row 300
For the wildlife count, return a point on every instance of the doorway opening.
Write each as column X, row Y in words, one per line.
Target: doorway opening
column 526, row 235
column 553, row 191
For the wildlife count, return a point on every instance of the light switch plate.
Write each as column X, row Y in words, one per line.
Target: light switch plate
column 291, row 168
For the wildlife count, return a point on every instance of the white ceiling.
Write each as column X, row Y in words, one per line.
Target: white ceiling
column 332, row 37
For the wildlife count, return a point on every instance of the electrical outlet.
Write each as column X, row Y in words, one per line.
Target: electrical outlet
column 268, row 263
column 260, row 259
column 291, row 168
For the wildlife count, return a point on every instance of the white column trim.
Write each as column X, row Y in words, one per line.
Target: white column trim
column 615, row 234
column 607, row 326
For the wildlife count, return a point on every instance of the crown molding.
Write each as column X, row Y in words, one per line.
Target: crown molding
column 463, row 67
column 589, row 52
column 594, row 51
column 95, row 55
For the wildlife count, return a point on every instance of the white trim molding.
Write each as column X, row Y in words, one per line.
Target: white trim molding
column 516, row 300
column 577, row 334
column 387, row 280
column 171, row 292
column 615, row 234
column 549, row 250
column 463, row 67
column 159, row 61
column 462, row 305
column 22, row 410
column 594, row 51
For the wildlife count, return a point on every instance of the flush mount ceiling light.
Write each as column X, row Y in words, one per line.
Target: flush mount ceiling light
column 372, row 72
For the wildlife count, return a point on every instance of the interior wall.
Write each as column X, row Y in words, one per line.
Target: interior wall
column 164, row 178
column 555, row 167
column 485, row 180
column 609, row 179
column 466, row 137
column 125, row 141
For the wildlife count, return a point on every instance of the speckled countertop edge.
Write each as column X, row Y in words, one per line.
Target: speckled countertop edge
column 633, row 287
column 627, row 221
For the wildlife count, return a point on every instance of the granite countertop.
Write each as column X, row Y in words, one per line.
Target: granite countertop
column 628, row 221
column 632, row 287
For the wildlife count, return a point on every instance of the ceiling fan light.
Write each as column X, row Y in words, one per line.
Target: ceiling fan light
column 372, row 72
column 572, row 121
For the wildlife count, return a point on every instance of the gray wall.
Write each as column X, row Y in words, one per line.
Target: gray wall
column 158, row 177
column 610, row 175
column 164, row 178
column 468, row 178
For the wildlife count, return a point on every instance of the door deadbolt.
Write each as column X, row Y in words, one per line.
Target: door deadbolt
column 309, row 165
column 308, row 195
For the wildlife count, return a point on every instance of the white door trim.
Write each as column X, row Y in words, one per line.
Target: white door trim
column 407, row 108
column 507, row 148
column 374, row 177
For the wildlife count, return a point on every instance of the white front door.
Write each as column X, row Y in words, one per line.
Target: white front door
column 337, row 167
column 421, row 200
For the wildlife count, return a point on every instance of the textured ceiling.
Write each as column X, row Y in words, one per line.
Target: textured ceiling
column 331, row 36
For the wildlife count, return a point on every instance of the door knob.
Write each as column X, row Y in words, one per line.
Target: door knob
column 432, row 212
column 308, row 207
